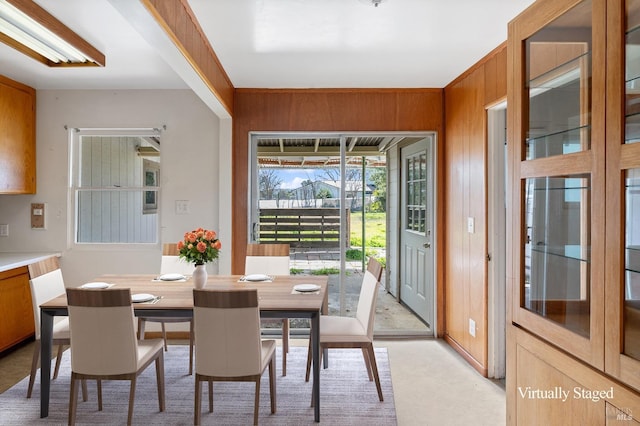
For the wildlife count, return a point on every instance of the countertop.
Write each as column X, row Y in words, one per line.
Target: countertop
column 16, row 260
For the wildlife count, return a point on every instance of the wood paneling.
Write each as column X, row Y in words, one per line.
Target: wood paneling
column 348, row 110
column 466, row 100
column 17, row 138
column 181, row 25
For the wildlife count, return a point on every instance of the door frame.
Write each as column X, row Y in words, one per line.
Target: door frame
column 496, row 239
column 434, row 207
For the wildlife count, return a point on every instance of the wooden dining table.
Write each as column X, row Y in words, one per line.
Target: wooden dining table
column 276, row 299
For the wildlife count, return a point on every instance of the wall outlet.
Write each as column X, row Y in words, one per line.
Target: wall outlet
column 472, row 327
column 4, row 230
column 471, row 225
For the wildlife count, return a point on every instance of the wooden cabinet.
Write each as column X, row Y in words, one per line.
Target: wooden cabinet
column 574, row 124
column 16, row 312
column 17, row 138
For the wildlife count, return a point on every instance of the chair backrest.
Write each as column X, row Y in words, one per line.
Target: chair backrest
column 366, row 310
column 171, row 262
column 227, row 332
column 271, row 259
column 103, row 332
column 46, row 282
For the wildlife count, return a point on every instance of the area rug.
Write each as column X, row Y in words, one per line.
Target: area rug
column 347, row 397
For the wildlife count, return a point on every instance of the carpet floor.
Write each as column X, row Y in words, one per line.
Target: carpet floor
column 347, row 397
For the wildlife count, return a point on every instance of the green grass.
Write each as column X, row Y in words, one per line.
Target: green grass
column 375, row 229
column 325, row 271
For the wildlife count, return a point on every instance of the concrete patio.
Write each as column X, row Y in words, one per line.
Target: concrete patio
column 392, row 318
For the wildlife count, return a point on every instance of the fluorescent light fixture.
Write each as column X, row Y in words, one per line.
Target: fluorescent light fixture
column 27, row 27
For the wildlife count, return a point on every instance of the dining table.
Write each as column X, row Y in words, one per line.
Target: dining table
column 277, row 298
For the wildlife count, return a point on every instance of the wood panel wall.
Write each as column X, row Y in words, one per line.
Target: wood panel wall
column 349, row 110
column 465, row 188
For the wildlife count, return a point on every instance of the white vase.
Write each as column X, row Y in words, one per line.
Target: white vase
column 200, row 276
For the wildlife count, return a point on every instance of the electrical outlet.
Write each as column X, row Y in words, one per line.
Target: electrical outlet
column 472, row 327
column 471, row 225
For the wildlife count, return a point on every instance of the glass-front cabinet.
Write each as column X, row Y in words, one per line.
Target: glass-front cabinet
column 574, row 134
column 622, row 350
column 558, row 147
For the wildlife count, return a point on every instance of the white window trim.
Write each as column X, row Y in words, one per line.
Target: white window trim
column 74, row 135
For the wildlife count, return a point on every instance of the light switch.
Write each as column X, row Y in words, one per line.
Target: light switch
column 182, row 206
column 471, row 225
column 4, row 230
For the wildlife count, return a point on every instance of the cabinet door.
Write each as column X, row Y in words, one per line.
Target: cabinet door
column 556, row 125
column 623, row 192
column 17, row 138
column 16, row 313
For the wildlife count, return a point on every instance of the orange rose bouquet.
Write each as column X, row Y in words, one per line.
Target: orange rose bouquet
column 199, row 246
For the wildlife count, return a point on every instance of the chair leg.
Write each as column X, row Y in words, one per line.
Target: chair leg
column 34, row 367
column 256, row 403
column 132, row 395
column 99, row 387
column 196, row 401
column 85, row 398
column 164, row 335
column 58, row 359
column 141, row 326
column 272, row 383
column 285, row 344
column 367, row 363
column 160, row 380
column 73, row 399
column 191, row 338
column 210, row 389
column 374, row 368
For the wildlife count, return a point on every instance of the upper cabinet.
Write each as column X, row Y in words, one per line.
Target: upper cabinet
column 557, row 145
column 574, row 146
column 17, row 138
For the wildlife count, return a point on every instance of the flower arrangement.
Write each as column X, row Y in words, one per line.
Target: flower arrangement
column 199, row 246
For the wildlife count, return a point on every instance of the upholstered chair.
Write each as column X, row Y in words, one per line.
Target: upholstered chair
column 228, row 344
column 355, row 332
column 46, row 282
column 271, row 259
column 104, row 344
column 171, row 264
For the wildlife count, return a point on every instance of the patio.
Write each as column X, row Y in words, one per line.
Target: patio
column 393, row 319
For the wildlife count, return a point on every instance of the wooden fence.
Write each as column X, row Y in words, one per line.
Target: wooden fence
column 303, row 227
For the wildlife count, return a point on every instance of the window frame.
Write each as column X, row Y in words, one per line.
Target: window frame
column 73, row 186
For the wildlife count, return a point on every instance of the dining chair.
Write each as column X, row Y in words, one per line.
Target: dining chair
column 104, row 344
column 171, row 263
column 355, row 332
column 271, row 259
column 228, row 344
column 46, row 282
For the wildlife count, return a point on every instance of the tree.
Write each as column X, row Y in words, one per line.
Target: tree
column 379, row 179
column 268, row 183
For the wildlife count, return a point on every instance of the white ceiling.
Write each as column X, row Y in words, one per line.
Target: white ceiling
column 284, row 43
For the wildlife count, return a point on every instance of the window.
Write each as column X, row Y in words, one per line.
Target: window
column 115, row 183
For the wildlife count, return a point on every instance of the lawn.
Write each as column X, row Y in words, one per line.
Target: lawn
column 375, row 229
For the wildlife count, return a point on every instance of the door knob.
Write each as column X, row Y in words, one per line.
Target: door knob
column 426, row 245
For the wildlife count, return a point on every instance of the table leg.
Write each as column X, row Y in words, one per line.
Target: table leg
column 315, row 349
column 46, row 342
